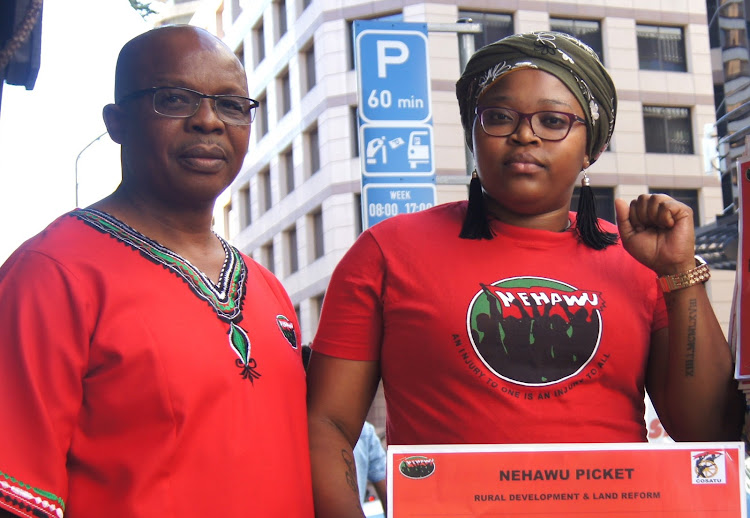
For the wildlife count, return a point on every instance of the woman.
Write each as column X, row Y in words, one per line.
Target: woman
column 509, row 319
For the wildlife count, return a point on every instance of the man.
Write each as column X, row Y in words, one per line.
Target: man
column 370, row 462
column 149, row 368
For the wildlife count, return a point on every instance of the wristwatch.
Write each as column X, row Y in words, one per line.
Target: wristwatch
column 677, row 281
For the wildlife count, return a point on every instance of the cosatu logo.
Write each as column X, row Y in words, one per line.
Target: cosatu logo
column 535, row 331
column 709, row 467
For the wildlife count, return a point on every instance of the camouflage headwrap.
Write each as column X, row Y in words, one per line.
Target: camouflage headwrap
column 570, row 60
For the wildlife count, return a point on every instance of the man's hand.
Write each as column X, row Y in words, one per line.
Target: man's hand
column 658, row 231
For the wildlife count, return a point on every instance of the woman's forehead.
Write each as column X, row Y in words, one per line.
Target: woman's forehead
column 529, row 86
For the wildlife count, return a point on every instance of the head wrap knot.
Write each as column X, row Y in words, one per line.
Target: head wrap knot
column 565, row 57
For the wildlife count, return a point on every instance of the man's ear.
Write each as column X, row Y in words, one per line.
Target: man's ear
column 114, row 120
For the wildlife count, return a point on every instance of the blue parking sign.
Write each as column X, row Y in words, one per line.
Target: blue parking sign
column 395, row 83
column 396, row 150
column 388, row 200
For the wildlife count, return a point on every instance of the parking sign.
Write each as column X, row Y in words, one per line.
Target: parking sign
column 395, row 119
column 394, row 75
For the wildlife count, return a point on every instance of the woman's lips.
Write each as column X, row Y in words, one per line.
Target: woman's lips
column 523, row 164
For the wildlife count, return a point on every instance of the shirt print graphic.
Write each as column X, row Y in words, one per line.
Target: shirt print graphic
column 534, row 331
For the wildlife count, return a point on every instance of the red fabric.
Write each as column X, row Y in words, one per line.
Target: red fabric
column 404, row 294
column 121, row 395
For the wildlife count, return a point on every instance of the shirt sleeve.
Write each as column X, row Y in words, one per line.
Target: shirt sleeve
column 351, row 320
column 44, row 348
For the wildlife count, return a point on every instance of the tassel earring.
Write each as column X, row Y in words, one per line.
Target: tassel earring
column 475, row 222
column 587, row 223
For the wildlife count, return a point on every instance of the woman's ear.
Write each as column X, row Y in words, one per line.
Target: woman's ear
column 114, row 120
column 586, row 162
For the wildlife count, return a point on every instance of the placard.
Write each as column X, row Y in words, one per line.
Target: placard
column 541, row 481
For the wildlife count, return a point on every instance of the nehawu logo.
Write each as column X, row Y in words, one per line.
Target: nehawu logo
column 417, row 467
column 534, row 331
column 287, row 329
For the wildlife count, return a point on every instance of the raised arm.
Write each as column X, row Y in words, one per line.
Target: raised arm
column 690, row 376
column 339, row 396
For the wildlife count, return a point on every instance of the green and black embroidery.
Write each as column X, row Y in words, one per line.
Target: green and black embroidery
column 225, row 298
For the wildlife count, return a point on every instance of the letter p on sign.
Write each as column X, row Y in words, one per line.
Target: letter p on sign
column 386, row 58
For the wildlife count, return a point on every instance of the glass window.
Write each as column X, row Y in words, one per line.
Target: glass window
column 285, row 93
column 264, row 185
column 259, row 43
column 309, row 60
column 396, row 17
column 245, row 213
column 317, row 231
column 661, row 48
column 260, row 124
column 357, row 214
column 687, row 196
column 317, row 303
column 236, row 9
column 268, row 256
column 313, row 150
column 287, row 160
column 355, row 130
column 240, row 53
column 281, row 17
column 228, row 218
column 291, row 247
column 667, row 129
column 604, row 200
column 495, row 26
column 588, row 31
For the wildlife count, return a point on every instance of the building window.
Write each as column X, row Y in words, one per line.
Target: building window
column 287, row 162
column 290, row 236
column 354, row 117
column 661, row 48
column 285, row 93
column 240, row 53
column 604, row 201
column 309, row 61
column 395, row 17
column 260, row 124
column 264, row 187
column 316, row 221
column 317, row 303
column 245, row 213
column 687, row 196
column 306, row 4
column 357, row 214
column 259, row 43
column 281, row 17
column 495, row 26
column 228, row 218
column 313, row 149
column 268, row 256
column 588, row 31
column 236, row 9
column 667, row 129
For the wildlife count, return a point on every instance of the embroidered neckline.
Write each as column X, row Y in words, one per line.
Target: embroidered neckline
column 226, row 297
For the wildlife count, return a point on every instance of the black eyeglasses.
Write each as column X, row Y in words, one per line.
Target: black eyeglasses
column 176, row 101
column 547, row 125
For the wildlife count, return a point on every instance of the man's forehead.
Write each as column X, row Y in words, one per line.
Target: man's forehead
column 174, row 51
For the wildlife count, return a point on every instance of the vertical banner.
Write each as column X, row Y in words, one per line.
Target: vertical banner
column 395, row 119
column 699, row 480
